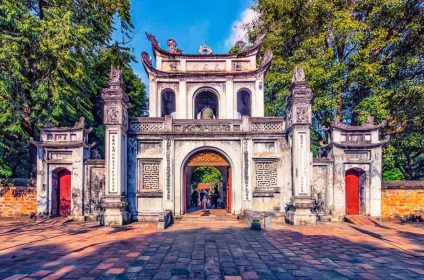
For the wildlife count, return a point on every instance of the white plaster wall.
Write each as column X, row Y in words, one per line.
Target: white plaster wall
column 375, row 182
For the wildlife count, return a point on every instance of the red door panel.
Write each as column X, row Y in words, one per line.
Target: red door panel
column 229, row 190
column 352, row 192
column 64, row 201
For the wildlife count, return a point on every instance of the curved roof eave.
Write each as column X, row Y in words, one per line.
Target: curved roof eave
column 252, row 51
column 148, row 66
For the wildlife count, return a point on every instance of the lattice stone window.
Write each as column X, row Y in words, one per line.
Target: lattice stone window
column 266, row 174
column 149, row 176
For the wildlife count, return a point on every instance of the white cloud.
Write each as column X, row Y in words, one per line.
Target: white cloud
column 237, row 32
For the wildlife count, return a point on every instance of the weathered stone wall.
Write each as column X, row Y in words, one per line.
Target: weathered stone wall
column 18, row 198
column 400, row 198
column 94, row 188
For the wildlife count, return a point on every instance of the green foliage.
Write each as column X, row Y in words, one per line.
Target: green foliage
column 206, row 174
column 393, row 175
column 54, row 60
column 361, row 58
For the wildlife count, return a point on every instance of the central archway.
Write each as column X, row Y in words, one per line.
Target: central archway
column 207, row 158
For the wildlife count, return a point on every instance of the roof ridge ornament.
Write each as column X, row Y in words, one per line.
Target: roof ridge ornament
column 205, row 50
column 172, row 44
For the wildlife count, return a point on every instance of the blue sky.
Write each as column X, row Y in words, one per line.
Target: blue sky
column 189, row 22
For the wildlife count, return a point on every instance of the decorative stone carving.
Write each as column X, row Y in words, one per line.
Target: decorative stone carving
column 206, row 128
column 112, row 115
column 266, row 126
column 357, row 155
column 208, row 158
column 172, row 47
column 238, row 65
column 115, row 75
column 266, row 58
column 298, row 75
column 266, row 174
column 205, row 50
column 146, row 127
column 61, row 155
column 302, row 114
column 132, row 145
column 168, row 169
column 149, row 176
column 246, row 168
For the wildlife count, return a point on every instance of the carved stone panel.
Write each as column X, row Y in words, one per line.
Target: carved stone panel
column 112, row 115
column 267, row 126
column 266, row 174
column 358, row 155
column 302, row 114
column 147, row 127
column 202, row 66
column 356, row 138
column 60, row 155
column 240, row 65
column 149, row 172
column 153, row 148
column 202, row 128
column 171, row 65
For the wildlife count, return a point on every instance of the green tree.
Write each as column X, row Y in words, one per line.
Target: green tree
column 54, row 60
column 361, row 58
column 206, row 174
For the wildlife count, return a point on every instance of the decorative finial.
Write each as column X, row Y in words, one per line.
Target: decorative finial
column 172, row 44
column 370, row 120
column 298, row 75
column 240, row 45
column 115, row 75
column 205, row 50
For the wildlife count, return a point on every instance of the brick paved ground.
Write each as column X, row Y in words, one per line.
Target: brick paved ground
column 210, row 251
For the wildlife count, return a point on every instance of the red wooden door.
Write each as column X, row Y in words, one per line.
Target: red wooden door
column 229, row 190
column 352, row 192
column 64, row 201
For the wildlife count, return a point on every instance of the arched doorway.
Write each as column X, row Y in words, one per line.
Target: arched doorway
column 207, row 158
column 168, row 103
column 243, row 103
column 64, row 193
column 354, row 179
column 206, row 98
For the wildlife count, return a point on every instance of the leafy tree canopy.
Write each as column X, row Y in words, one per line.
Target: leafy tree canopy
column 54, row 59
column 361, row 58
column 206, row 174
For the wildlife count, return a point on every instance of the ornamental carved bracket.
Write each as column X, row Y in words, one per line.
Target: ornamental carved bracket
column 207, row 158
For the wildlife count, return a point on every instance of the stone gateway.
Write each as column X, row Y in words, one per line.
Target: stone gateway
column 207, row 109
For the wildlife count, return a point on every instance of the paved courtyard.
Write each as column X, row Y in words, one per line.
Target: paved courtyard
column 210, row 250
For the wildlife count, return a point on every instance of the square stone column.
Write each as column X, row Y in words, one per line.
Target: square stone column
column 299, row 118
column 116, row 121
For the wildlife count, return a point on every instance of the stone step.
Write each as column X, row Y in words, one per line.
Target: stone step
column 361, row 220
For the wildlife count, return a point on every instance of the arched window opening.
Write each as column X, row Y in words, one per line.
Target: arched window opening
column 243, row 103
column 206, row 105
column 168, row 103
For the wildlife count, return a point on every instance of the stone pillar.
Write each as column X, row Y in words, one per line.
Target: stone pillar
column 299, row 118
column 116, row 121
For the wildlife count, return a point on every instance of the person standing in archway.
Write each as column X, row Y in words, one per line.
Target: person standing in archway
column 195, row 198
column 204, row 201
column 215, row 197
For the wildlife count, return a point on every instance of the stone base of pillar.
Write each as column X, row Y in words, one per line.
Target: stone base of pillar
column 116, row 211
column 299, row 211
